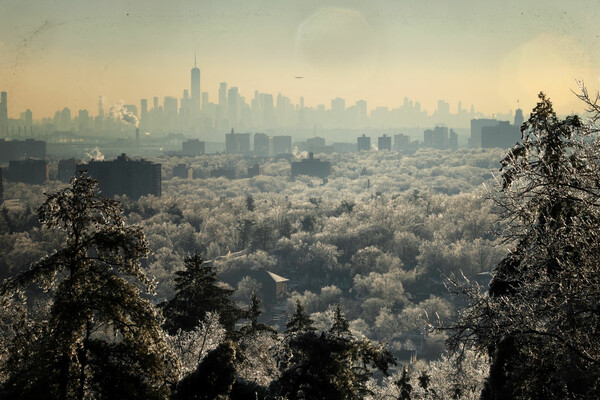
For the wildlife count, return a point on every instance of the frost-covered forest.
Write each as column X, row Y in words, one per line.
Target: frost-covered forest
column 377, row 238
column 367, row 256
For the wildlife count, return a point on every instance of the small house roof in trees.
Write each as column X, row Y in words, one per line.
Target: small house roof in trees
column 272, row 286
column 277, row 278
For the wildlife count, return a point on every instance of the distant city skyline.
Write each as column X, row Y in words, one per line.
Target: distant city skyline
column 227, row 96
column 492, row 55
column 261, row 113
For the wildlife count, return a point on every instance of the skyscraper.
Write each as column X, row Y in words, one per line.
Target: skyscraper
column 204, row 100
column 3, row 114
column 504, row 135
column 361, row 106
column 338, row 108
column 443, row 108
column 222, row 108
column 223, row 96
column 195, row 89
column 170, row 111
column 28, row 120
column 144, row 113
column 237, row 143
column 436, row 138
column 83, row 121
column 519, row 119
column 233, row 110
column 65, row 119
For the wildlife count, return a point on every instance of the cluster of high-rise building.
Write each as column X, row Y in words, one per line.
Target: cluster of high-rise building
column 401, row 142
column 27, row 162
column 440, row 138
column 264, row 114
column 195, row 113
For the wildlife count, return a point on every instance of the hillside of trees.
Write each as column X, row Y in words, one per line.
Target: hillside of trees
column 376, row 239
column 377, row 242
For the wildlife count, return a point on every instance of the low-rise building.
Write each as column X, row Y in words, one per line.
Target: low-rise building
column 183, row 171
column 192, row 147
column 312, row 167
column 255, row 171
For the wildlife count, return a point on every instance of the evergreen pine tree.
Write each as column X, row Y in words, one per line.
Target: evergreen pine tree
column 252, row 314
column 299, row 321
column 250, row 203
column 340, row 326
column 198, row 292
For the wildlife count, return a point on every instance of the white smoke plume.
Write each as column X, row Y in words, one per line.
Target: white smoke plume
column 297, row 153
column 95, row 155
column 121, row 113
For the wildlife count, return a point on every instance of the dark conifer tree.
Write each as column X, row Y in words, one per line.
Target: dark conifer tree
column 252, row 314
column 340, row 326
column 198, row 292
column 250, row 203
column 299, row 321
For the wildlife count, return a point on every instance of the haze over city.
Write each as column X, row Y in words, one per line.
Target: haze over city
column 275, row 199
column 495, row 57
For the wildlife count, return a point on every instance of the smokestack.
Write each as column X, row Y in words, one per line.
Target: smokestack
column 137, row 137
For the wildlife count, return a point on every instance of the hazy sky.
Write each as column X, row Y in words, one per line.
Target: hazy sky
column 56, row 54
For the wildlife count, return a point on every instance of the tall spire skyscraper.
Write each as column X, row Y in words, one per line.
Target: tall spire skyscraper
column 195, row 88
